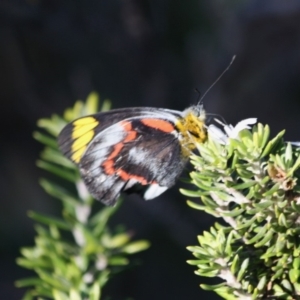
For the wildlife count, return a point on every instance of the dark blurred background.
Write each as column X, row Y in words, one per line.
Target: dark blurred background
column 137, row 53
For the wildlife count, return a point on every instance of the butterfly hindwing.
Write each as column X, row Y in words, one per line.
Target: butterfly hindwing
column 136, row 152
column 154, row 153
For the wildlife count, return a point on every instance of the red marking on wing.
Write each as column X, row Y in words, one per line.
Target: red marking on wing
column 126, row 176
column 108, row 165
column 126, row 125
column 158, row 124
column 131, row 134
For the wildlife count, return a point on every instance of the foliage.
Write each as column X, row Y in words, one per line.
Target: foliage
column 74, row 256
column 251, row 182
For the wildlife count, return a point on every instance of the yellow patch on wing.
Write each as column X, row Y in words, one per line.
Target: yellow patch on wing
column 82, row 134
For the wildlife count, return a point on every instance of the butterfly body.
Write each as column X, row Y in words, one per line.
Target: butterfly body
column 139, row 149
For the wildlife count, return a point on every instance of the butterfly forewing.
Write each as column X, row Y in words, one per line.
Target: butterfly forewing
column 77, row 135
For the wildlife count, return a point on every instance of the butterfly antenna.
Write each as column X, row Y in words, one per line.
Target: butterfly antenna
column 199, row 95
column 200, row 102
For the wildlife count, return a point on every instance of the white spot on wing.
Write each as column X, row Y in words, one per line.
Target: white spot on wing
column 101, row 178
column 109, row 137
column 153, row 191
column 138, row 156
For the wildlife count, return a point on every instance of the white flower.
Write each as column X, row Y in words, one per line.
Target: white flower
column 296, row 144
column 229, row 131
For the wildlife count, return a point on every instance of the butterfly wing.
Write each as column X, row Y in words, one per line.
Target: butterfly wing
column 77, row 135
column 139, row 154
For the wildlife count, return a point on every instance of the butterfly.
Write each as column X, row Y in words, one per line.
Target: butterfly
column 134, row 150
